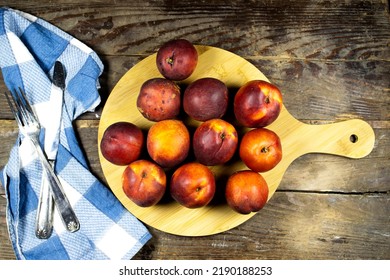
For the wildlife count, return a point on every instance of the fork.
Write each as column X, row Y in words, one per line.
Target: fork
column 30, row 128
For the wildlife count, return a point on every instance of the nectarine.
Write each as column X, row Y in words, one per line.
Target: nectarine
column 215, row 142
column 257, row 103
column 168, row 142
column 260, row 149
column 205, row 99
column 246, row 191
column 159, row 99
column 177, row 59
column 122, row 143
column 193, row 185
column 144, row 182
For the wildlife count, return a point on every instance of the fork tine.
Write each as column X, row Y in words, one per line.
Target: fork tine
column 26, row 113
column 27, row 106
column 20, row 105
column 14, row 111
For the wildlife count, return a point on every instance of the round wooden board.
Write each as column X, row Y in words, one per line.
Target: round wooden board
column 169, row 216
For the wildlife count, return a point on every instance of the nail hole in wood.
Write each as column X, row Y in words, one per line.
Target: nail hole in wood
column 353, row 138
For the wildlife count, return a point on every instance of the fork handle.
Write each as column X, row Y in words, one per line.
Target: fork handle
column 44, row 218
column 61, row 202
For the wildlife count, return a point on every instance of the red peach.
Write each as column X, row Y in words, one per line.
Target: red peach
column 215, row 142
column 159, row 99
column 144, row 182
column 246, row 191
column 193, row 185
column 122, row 143
column 205, row 99
column 177, row 59
column 260, row 149
column 257, row 104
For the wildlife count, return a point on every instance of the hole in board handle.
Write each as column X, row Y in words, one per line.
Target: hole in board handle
column 353, row 138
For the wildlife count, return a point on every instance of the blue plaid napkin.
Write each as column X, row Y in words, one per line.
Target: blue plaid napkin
column 29, row 48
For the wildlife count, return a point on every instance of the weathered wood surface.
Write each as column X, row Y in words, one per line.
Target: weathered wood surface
column 331, row 59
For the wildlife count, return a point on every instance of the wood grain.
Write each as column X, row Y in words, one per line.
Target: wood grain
column 339, row 227
column 336, row 91
column 330, row 30
column 339, row 48
column 332, row 185
column 331, row 60
column 296, row 137
column 289, row 227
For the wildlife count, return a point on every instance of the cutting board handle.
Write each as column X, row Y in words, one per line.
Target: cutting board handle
column 353, row 138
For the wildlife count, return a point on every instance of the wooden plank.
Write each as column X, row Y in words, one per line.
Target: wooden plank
column 332, row 90
column 320, row 172
column 336, row 30
column 8, row 134
column 331, row 59
column 292, row 226
column 337, row 91
column 6, row 251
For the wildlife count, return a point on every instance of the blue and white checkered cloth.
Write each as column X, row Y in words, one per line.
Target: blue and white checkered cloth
column 29, row 47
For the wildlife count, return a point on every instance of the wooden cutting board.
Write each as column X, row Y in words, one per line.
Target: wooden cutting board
column 352, row 138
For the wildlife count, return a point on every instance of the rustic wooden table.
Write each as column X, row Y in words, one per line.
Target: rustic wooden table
column 331, row 59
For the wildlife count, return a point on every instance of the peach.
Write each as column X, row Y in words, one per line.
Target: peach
column 177, row 59
column 246, row 191
column 257, row 104
column 144, row 182
column 168, row 142
column 205, row 99
column 215, row 142
column 159, row 99
column 193, row 185
column 260, row 149
column 122, row 143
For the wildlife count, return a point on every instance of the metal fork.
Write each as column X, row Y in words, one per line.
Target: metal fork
column 29, row 126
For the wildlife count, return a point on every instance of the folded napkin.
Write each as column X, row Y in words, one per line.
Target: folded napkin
column 29, row 48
